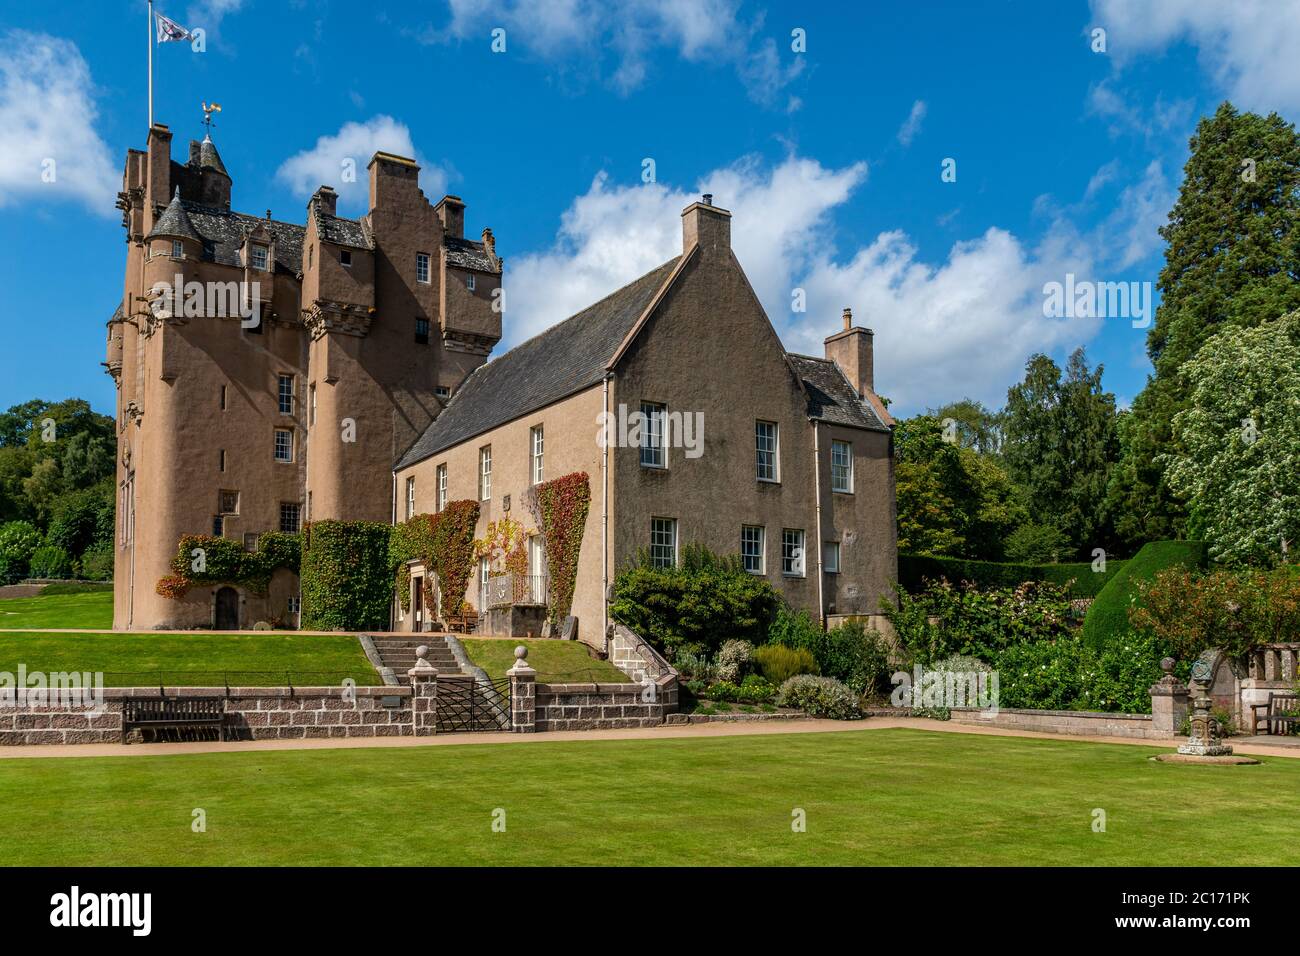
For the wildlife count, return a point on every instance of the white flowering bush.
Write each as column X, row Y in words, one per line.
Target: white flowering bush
column 732, row 660
column 820, row 697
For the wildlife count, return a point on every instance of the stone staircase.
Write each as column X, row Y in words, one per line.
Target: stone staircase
column 398, row 652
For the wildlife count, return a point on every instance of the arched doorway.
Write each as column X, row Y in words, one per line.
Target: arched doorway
column 227, row 611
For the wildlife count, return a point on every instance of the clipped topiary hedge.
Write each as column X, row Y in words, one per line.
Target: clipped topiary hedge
column 347, row 576
column 914, row 569
column 1108, row 616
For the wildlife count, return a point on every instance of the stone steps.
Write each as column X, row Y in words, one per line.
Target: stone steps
column 399, row 653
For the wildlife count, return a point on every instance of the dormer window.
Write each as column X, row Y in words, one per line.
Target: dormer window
column 178, row 249
column 469, row 282
column 345, row 258
column 259, row 257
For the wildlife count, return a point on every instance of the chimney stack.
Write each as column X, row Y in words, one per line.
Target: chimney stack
column 451, row 212
column 326, row 200
column 851, row 349
column 706, row 224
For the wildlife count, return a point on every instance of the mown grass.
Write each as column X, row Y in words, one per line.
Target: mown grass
column 67, row 606
column 556, row 662
column 194, row 659
column 887, row 797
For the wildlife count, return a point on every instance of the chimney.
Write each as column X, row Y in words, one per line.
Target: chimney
column 393, row 180
column 451, row 211
column 159, row 185
column 194, row 153
column 706, row 224
column 326, row 200
column 489, row 243
column 851, row 350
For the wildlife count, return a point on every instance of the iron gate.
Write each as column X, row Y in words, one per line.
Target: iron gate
column 468, row 703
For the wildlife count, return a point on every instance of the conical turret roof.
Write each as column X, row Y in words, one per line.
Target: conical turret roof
column 209, row 158
column 175, row 222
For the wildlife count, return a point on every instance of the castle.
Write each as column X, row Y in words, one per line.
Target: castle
column 347, row 376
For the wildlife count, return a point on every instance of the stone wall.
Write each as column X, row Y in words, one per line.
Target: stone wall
column 1068, row 722
column 604, row 706
column 634, row 657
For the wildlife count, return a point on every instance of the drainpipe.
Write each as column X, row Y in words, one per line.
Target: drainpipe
column 817, row 497
column 604, row 517
column 392, row 607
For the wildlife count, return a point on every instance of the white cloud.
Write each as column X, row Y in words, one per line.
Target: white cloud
column 1248, row 46
column 47, row 125
column 963, row 326
column 347, row 153
column 912, row 125
column 575, row 34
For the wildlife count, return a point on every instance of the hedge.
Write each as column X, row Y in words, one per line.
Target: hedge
column 1107, row 618
column 914, row 569
column 347, row 576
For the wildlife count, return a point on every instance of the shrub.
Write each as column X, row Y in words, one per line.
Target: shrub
column 959, row 664
column 18, row 542
column 779, row 663
column 1107, row 618
column 856, row 656
column 914, row 571
column 695, row 606
column 693, row 666
column 795, row 629
column 1037, row 543
column 756, row 690
column 732, row 660
column 346, row 576
column 50, row 561
column 820, row 697
column 1067, row 674
column 722, row 690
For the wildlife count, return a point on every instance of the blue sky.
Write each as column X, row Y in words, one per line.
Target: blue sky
column 1067, row 160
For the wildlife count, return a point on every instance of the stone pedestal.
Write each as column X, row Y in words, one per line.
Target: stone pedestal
column 424, row 694
column 523, row 694
column 1204, row 741
column 1168, row 702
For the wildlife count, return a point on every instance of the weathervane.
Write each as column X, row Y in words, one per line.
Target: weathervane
column 207, row 116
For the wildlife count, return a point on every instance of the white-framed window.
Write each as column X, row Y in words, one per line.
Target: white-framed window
column 229, row 503
column 178, row 249
column 283, row 444
column 663, row 542
column 442, row 391
column 295, row 605
column 753, row 548
column 259, row 257
column 484, row 575
column 442, row 487
column 312, row 390
column 422, row 267
column 831, row 556
column 469, row 282
column 290, row 516
column 653, row 452
column 792, row 554
column 410, row 497
column 766, row 451
column 485, row 473
column 841, row 467
column 286, row 394
column 537, row 444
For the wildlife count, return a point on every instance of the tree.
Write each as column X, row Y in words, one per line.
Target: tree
column 1232, row 257
column 1237, row 452
column 974, row 426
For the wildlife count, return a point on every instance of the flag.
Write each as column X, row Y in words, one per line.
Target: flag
column 170, row 30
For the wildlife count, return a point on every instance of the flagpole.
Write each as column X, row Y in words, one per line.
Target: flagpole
column 150, row 64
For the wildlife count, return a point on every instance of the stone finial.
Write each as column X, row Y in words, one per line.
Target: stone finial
column 1167, row 665
column 521, row 653
column 521, row 668
column 422, row 651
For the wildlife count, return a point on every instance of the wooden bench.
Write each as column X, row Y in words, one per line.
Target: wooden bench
column 158, row 712
column 1281, row 711
column 463, row 623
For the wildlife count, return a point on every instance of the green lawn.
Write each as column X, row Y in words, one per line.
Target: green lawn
column 556, row 662
column 84, row 609
column 256, row 660
column 900, row 797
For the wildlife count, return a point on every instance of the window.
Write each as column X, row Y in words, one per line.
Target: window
column 259, row 254
column 309, row 506
column 221, row 460
column 536, row 441
column 286, row 394
column 841, row 467
column 295, row 605
column 422, row 331
column 831, row 557
column 312, row 403
column 485, row 473
column 410, row 497
column 218, row 526
column 753, row 550
column 311, row 256
column 421, row 267
column 652, row 435
column 223, row 398
column 178, row 249
column 229, row 503
column 469, row 283
column 290, row 516
column 792, row 563
column 283, row 444
column 250, row 541
column 442, row 391
column 765, row 446
column 663, row 542
column 484, row 573
column 442, row 487
column 345, row 258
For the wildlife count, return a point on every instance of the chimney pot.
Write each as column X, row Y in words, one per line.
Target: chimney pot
column 708, row 199
column 848, row 319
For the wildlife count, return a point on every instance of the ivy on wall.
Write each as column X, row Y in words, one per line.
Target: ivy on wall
column 444, row 543
column 347, row 576
column 412, row 539
column 562, row 505
column 205, row 560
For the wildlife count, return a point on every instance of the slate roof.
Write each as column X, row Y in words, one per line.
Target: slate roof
column 831, row 398
column 566, row 358
column 468, row 254
column 174, row 221
column 223, row 231
column 342, row 232
column 209, row 157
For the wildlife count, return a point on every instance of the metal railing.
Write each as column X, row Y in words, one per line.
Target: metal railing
column 506, row 589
